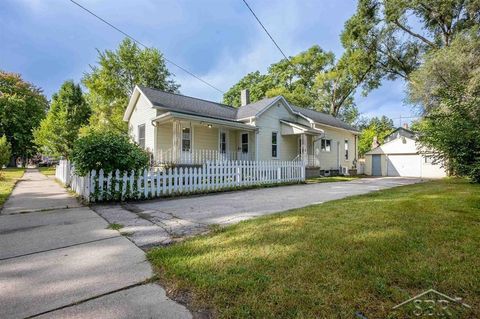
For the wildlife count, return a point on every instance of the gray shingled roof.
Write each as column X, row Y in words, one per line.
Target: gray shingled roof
column 254, row 108
column 323, row 118
column 187, row 104
column 182, row 103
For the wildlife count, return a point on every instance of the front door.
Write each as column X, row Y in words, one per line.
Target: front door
column 244, row 147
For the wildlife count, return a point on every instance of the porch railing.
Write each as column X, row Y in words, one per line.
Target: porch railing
column 198, row 157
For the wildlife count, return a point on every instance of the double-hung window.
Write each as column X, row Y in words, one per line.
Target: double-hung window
column 326, row 145
column 274, row 144
column 186, row 139
column 141, row 135
column 346, row 149
column 244, row 143
column 223, row 142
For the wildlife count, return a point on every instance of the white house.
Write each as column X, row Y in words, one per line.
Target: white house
column 185, row 130
column 400, row 155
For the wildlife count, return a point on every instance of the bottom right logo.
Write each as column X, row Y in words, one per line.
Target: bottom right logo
column 432, row 304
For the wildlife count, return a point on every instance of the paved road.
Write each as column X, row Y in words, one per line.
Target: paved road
column 59, row 260
column 158, row 222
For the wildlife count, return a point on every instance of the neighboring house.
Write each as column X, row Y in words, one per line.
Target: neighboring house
column 185, row 130
column 400, row 155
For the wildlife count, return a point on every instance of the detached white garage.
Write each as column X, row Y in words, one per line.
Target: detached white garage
column 400, row 156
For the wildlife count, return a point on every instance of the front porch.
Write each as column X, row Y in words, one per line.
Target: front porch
column 188, row 140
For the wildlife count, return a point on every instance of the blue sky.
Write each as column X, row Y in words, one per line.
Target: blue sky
column 50, row 41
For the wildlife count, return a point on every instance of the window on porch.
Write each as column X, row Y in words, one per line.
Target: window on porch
column 223, row 142
column 186, row 139
column 244, row 143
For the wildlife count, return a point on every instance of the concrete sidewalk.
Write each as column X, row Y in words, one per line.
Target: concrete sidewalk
column 59, row 260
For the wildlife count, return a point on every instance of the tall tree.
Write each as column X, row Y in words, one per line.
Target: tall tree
column 68, row 112
column 396, row 33
column 22, row 107
column 307, row 80
column 446, row 88
column 111, row 82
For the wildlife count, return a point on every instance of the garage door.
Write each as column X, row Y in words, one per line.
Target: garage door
column 404, row 165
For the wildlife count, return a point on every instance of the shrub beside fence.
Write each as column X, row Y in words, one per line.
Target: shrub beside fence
column 211, row 177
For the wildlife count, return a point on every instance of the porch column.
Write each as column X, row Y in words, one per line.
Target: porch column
column 303, row 148
column 177, row 142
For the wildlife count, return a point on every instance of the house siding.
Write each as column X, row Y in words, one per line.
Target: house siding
column 269, row 122
column 328, row 160
column 143, row 113
column 165, row 136
column 205, row 138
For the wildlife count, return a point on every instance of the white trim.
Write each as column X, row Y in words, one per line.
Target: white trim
column 132, row 103
column 339, row 128
column 169, row 115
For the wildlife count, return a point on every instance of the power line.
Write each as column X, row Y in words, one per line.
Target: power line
column 143, row 45
column 266, row 31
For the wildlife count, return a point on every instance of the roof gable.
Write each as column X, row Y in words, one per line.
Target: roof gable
column 400, row 145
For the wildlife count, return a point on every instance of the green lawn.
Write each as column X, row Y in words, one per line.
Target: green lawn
column 364, row 253
column 330, row 179
column 49, row 171
column 8, row 178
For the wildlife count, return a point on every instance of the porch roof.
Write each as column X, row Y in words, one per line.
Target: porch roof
column 294, row 128
column 165, row 117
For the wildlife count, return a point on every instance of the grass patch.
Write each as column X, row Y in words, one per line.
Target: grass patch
column 115, row 226
column 364, row 253
column 48, row 171
column 8, row 178
column 330, row 179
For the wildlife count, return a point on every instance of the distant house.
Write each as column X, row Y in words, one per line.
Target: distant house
column 400, row 155
column 189, row 131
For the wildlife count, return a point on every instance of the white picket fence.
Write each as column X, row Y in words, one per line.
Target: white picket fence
column 210, row 177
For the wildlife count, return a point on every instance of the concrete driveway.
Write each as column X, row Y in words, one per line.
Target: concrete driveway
column 159, row 222
column 59, row 260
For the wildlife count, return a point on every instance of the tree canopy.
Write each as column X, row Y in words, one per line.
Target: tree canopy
column 113, row 79
column 22, row 107
column 447, row 91
column 68, row 112
column 393, row 35
column 310, row 79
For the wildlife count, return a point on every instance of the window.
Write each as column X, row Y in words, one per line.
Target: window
column 346, row 149
column 141, row 135
column 186, row 139
column 274, row 145
column 326, row 145
column 223, row 142
column 244, row 142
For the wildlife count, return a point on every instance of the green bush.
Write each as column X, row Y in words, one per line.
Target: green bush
column 108, row 151
column 5, row 151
